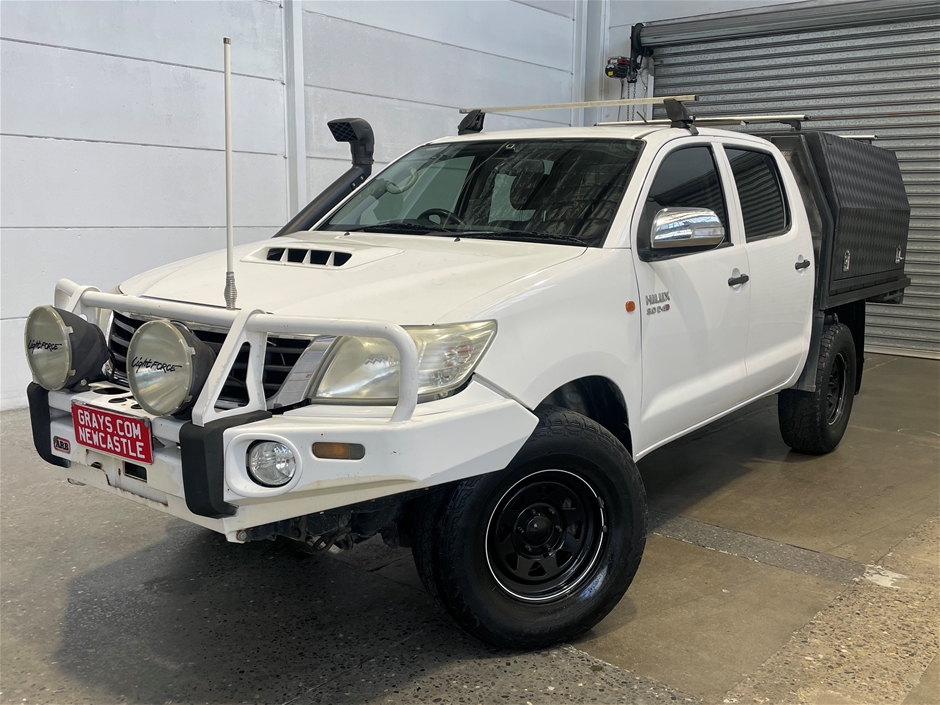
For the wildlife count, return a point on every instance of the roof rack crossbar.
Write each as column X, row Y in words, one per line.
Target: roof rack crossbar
column 585, row 104
column 789, row 119
column 475, row 116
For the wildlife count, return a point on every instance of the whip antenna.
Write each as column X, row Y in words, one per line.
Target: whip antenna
column 230, row 291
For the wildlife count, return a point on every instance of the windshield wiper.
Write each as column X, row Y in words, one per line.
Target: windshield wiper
column 399, row 227
column 520, row 235
column 508, row 235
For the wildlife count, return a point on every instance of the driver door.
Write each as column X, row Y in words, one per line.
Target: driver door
column 694, row 320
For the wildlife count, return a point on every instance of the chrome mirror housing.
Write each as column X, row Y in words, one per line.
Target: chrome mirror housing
column 686, row 227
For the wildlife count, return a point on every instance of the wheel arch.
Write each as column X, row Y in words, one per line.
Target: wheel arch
column 852, row 315
column 600, row 399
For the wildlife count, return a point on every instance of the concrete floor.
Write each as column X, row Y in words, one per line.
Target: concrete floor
column 770, row 577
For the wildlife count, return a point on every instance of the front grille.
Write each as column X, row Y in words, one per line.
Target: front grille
column 280, row 356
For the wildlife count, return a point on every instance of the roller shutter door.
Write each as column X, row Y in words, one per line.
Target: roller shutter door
column 861, row 68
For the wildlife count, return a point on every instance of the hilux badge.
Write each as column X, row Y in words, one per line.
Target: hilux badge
column 657, row 303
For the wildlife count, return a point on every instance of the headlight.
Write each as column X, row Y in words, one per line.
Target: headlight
column 366, row 370
column 167, row 367
column 63, row 349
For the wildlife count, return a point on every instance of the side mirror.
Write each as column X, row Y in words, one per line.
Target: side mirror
column 686, row 228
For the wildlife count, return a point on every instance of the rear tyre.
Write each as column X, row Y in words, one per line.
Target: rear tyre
column 543, row 550
column 814, row 422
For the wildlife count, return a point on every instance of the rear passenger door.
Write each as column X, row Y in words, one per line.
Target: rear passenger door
column 780, row 269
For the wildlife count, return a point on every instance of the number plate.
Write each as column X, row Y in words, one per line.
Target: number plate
column 122, row 435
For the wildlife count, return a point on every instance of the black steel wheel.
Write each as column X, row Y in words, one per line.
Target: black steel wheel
column 545, row 535
column 539, row 552
column 814, row 422
column 836, row 389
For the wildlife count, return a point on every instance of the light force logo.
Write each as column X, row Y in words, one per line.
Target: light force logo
column 41, row 345
column 61, row 444
column 148, row 364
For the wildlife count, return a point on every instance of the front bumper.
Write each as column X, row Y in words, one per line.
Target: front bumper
column 199, row 473
column 199, row 466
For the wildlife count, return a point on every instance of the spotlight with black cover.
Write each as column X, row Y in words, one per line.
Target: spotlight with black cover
column 63, row 349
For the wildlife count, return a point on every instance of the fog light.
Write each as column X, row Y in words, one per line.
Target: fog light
column 270, row 463
column 63, row 349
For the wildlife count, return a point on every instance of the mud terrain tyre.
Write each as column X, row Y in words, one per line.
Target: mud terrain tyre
column 814, row 422
column 542, row 551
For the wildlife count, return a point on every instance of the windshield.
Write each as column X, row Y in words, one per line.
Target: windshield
column 565, row 191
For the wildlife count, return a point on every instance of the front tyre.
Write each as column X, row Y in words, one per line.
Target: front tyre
column 814, row 422
column 542, row 551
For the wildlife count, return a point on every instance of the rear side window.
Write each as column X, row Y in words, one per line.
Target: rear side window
column 761, row 193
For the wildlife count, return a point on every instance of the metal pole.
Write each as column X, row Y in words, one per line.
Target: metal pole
column 230, row 291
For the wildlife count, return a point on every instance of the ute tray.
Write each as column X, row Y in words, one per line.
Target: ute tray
column 858, row 213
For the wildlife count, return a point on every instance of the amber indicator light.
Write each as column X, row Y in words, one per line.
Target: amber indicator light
column 631, row 306
column 339, row 451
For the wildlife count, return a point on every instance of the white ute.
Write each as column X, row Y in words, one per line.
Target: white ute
column 468, row 351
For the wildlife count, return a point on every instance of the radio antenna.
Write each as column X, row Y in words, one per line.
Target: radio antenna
column 230, row 291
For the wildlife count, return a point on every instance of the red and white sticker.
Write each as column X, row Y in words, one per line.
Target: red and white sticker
column 122, row 435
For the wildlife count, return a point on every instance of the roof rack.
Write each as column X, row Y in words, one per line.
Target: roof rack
column 794, row 120
column 474, row 120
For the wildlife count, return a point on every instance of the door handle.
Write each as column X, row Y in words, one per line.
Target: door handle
column 803, row 264
column 737, row 281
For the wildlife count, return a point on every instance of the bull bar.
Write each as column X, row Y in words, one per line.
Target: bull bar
column 248, row 326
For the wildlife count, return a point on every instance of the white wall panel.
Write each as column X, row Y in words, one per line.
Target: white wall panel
column 510, row 30
column 102, row 258
column 58, row 92
column 407, row 68
column 565, row 8
column 62, row 183
column 185, row 33
column 14, row 372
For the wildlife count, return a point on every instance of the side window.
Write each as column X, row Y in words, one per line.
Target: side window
column 688, row 177
column 761, row 193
